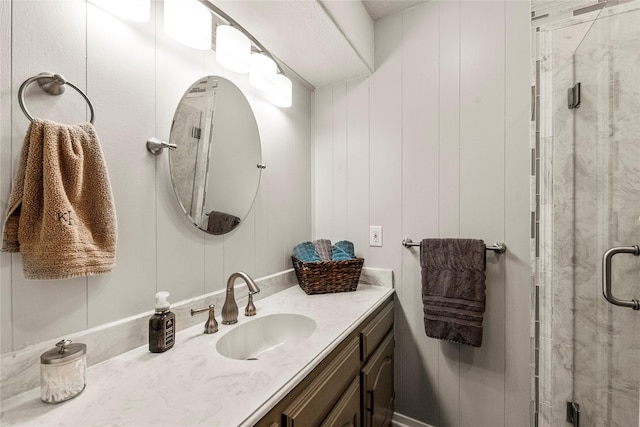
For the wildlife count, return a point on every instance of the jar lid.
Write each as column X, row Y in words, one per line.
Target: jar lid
column 63, row 353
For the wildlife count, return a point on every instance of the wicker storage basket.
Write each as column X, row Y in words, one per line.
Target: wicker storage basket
column 328, row 276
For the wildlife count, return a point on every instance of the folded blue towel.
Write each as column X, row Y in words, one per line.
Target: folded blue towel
column 346, row 247
column 306, row 252
column 340, row 255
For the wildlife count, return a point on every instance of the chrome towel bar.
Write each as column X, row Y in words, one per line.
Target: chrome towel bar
column 497, row 247
column 53, row 84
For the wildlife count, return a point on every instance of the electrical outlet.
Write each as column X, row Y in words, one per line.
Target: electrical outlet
column 375, row 235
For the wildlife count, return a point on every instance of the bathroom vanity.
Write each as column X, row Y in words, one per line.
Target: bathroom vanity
column 341, row 373
column 353, row 383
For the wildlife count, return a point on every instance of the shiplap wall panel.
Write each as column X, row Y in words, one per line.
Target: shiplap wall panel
column 339, row 170
column 274, row 156
column 297, row 178
column 54, row 41
column 420, row 178
column 449, row 185
column 386, row 144
column 118, row 77
column 449, row 182
column 482, row 168
column 438, row 107
column 323, row 163
column 358, row 165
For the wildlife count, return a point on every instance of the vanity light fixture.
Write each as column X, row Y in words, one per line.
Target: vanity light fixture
column 188, row 22
column 282, row 92
column 233, row 49
column 239, row 51
column 133, row 10
column 262, row 74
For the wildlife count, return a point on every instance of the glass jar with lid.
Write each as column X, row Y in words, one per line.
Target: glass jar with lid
column 63, row 372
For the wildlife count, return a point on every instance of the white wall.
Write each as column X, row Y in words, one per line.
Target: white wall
column 436, row 144
column 135, row 75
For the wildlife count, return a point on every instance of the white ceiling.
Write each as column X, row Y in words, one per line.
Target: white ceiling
column 380, row 8
column 323, row 41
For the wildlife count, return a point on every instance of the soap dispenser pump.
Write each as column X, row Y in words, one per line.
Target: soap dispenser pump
column 162, row 325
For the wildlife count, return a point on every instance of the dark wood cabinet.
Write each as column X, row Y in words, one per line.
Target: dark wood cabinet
column 318, row 399
column 377, row 386
column 346, row 413
column 351, row 387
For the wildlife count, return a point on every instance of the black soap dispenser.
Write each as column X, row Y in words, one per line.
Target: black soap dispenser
column 162, row 325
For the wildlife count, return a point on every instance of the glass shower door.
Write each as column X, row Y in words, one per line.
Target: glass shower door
column 606, row 188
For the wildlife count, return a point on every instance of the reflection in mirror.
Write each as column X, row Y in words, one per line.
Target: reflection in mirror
column 215, row 168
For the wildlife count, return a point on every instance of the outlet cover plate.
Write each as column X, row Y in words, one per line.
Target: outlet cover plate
column 375, row 235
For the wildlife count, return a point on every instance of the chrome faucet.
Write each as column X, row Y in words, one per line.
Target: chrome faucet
column 230, row 308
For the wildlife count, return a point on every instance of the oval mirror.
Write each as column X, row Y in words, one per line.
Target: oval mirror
column 215, row 168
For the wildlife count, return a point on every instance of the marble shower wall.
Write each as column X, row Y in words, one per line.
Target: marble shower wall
column 590, row 177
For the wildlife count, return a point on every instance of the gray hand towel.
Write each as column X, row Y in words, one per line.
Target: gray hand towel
column 324, row 249
column 453, row 289
column 221, row 223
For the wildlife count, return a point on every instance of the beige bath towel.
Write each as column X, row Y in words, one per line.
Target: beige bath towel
column 61, row 214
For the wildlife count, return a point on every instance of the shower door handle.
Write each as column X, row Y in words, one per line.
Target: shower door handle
column 606, row 275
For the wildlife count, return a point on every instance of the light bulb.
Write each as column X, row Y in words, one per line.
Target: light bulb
column 233, row 49
column 188, row 22
column 263, row 72
column 282, row 92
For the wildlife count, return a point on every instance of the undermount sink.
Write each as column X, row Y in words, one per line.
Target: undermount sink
column 258, row 337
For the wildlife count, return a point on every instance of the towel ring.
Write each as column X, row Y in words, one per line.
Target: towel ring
column 53, row 84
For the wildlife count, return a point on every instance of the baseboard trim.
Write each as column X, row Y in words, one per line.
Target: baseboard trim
column 400, row 420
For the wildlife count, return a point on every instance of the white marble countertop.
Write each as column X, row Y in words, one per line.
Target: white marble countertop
column 192, row 384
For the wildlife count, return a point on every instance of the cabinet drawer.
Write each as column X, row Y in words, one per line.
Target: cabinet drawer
column 346, row 413
column 375, row 331
column 313, row 404
column 377, row 386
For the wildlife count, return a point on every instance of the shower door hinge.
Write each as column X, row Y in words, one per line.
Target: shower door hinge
column 573, row 414
column 573, row 96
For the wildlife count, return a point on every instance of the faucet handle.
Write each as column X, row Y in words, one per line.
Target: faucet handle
column 211, row 326
column 251, row 309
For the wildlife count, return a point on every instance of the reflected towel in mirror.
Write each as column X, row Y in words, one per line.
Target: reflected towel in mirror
column 220, row 222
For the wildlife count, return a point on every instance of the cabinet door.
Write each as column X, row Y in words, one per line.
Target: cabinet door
column 377, row 386
column 346, row 413
column 317, row 400
column 375, row 331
